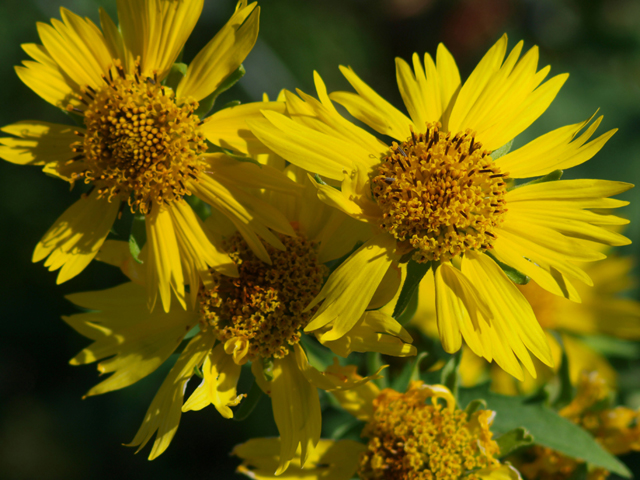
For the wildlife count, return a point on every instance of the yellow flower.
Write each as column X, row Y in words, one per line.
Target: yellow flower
column 142, row 144
column 437, row 194
column 256, row 317
column 408, row 437
column 603, row 311
column 616, row 429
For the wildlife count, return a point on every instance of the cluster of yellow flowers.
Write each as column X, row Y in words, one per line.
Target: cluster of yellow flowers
column 274, row 225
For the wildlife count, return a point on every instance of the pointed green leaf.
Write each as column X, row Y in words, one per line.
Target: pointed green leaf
column 514, row 275
column 415, row 273
column 502, row 151
column 178, row 70
column 475, row 405
column 547, row 427
column 550, row 177
column 374, row 363
column 409, row 373
column 513, row 440
column 206, row 104
column 249, row 403
column 449, row 375
column 137, row 237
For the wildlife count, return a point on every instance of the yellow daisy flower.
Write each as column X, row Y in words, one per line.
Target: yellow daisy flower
column 617, row 430
column 256, row 317
column 437, row 194
column 408, row 437
column 142, row 143
column 603, row 311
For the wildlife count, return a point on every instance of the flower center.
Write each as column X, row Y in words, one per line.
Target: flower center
column 440, row 194
column 263, row 308
column 139, row 142
column 410, row 439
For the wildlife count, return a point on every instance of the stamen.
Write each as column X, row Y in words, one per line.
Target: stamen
column 441, row 177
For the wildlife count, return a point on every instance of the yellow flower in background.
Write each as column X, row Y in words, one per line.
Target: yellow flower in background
column 603, row 311
column 617, row 430
column 408, row 437
column 142, row 143
column 256, row 317
column 437, row 194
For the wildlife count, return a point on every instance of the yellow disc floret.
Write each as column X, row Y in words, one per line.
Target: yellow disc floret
column 440, row 194
column 411, row 439
column 139, row 143
column 263, row 309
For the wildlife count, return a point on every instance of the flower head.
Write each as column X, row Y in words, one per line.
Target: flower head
column 143, row 139
column 256, row 317
column 442, row 192
column 418, row 434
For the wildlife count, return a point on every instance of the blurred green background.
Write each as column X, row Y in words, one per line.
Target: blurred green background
column 46, row 430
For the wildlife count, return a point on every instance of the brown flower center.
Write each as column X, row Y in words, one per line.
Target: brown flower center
column 139, row 142
column 264, row 306
column 441, row 194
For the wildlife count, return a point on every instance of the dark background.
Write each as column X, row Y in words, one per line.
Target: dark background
column 46, row 430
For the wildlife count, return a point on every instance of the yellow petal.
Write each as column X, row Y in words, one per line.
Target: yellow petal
column 374, row 332
column 75, row 238
column 335, row 460
column 556, row 150
column 134, row 341
column 164, row 270
column 78, row 47
column 118, row 254
column 163, row 416
column 387, row 120
column 508, row 250
column 296, row 410
column 475, row 84
column 218, row 387
column 249, row 221
column 156, row 31
column 48, row 80
column 579, row 191
column 38, row 143
column 307, row 148
column 461, row 311
column 229, row 129
column 222, row 55
column 196, row 252
column 112, row 36
column 349, row 289
column 513, row 320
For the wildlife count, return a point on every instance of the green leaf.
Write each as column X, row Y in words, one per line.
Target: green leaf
column 410, row 310
column 351, row 428
column 198, row 372
column 449, row 375
column 232, row 103
column 550, row 177
column 206, row 104
column 415, row 273
column 547, row 427
column 475, row 405
column 513, row 440
column 565, row 389
column 249, row 403
column 202, row 209
column 613, row 347
column 177, row 72
column 137, row 237
column 514, row 275
column 502, row 151
column 409, row 373
column 318, row 356
column 374, row 363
